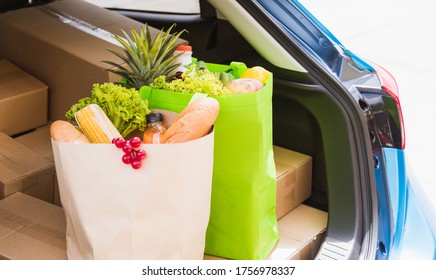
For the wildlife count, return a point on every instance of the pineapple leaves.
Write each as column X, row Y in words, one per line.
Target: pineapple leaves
column 145, row 57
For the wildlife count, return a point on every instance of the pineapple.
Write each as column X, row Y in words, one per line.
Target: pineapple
column 146, row 58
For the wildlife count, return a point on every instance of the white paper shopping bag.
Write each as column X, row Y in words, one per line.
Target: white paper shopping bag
column 113, row 211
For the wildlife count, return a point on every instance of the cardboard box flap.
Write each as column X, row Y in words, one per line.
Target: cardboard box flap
column 38, row 141
column 8, row 223
column 288, row 160
column 302, row 223
column 23, row 170
column 23, row 99
column 25, row 210
column 13, row 80
column 64, row 36
column 93, row 15
column 31, row 229
column 301, row 232
column 285, row 248
column 16, row 158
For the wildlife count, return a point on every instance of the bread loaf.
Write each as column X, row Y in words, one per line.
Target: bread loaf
column 66, row 132
column 193, row 122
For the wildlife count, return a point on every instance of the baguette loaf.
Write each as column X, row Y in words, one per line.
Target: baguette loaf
column 66, row 132
column 193, row 122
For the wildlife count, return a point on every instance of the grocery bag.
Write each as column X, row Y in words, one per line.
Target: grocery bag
column 243, row 222
column 160, row 211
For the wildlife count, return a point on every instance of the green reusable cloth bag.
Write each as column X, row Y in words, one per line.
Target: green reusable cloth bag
column 243, row 223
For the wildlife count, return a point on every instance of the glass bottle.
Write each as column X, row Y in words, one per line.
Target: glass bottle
column 155, row 130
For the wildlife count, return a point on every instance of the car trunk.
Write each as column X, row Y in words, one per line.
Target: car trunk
column 313, row 114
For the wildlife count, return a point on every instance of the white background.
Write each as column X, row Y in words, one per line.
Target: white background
column 399, row 35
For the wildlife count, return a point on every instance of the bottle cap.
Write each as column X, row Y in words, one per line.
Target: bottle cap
column 154, row 117
column 184, row 48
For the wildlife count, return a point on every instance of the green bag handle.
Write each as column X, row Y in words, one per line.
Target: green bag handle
column 237, row 68
column 145, row 92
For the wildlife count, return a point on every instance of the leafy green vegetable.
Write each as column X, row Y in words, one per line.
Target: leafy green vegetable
column 123, row 106
column 194, row 80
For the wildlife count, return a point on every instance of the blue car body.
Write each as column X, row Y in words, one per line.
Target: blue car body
column 411, row 231
column 405, row 229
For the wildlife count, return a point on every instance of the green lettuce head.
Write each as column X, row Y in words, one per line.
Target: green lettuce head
column 123, row 106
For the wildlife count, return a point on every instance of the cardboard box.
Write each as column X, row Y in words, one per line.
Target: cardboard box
column 301, row 232
column 23, row 170
column 294, row 179
column 23, row 100
column 39, row 141
column 34, row 229
column 63, row 44
column 31, row 229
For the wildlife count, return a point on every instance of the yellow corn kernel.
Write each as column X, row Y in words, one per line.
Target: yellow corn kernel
column 96, row 125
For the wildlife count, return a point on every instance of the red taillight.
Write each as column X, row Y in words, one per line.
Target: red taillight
column 389, row 85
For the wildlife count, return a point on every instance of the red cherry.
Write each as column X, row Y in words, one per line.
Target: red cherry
column 141, row 154
column 135, row 142
column 127, row 148
column 136, row 163
column 119, row 142
column 127, row 158
column 131, row 155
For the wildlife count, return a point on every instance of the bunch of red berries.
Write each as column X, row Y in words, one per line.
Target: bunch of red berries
column 132, row 155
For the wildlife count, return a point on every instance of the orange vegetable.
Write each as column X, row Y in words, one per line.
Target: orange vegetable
column 257, row 72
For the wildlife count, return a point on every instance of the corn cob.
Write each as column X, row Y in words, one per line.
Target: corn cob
column 96, row 125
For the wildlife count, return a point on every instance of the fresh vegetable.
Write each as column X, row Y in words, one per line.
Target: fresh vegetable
column 96, row 125
column 199, row 65
column 146, row 58
column 257, row 72
column 244, row 85
column 194, row 80
column 123, row 106
column 224, row 77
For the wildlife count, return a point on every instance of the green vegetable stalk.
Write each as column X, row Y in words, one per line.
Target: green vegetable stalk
column 123, row 106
